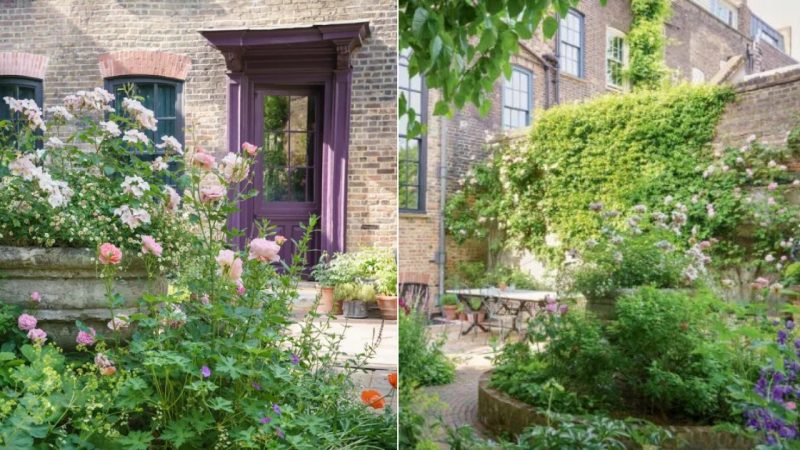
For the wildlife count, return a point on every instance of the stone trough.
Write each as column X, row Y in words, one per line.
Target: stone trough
column 71, row 289
column 501, row 414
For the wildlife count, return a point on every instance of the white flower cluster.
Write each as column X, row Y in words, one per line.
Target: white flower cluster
column 170, row 143
column 29, row 109
column 97, row 99
column 110, row 128
column 58, row 192
column 144, row 116
column 135, row 185
column 60, row 113
column 135, row 136
column 234, row 168
column 132, row 217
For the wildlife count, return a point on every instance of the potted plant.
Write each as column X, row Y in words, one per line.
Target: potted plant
column 356, row 307
column 323, row 275
column 449, row 306
column 341, row 293
column 474, row 304
column 462, row 313
column 386, row 287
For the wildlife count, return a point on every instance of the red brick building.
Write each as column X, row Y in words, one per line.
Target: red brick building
column 707, row 41
column 209, row 69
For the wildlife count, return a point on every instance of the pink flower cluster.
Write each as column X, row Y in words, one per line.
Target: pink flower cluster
column 151, row 247
column 27, row 322
column 230, row 265
column 86, row 337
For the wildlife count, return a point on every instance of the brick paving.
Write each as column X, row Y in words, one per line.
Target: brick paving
column 473, row 356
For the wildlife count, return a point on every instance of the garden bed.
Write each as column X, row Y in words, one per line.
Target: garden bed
column 501, row 414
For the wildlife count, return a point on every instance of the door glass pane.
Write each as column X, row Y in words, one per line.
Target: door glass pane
column 289, row 148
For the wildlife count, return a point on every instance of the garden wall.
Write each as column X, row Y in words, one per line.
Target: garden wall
column 74, row 34
column 767, row 105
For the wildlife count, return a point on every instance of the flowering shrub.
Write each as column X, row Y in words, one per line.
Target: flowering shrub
column 211, row 364
column 77, row 180
column 770, row 405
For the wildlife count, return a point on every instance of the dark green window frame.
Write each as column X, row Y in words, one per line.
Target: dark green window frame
column 12, row 87
column 115, row 85
column 412, row 152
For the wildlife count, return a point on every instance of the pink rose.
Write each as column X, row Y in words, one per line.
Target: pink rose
column 36, row 297
column 230, row 265
column 174, row 199
column 86, row 337
column 772, row 186
column 150, row 246
column 203, row 160
column 791, row 405
column 240, row 289
column 109, row 254
column 760, row 283
column 264, row 250
column 280, row 240
column 250, row 149
column 37, row 335
column 26, row 322
column 211, row 189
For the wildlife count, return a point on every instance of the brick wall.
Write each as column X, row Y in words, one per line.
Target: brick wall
column 767, row 105
column 73, row 34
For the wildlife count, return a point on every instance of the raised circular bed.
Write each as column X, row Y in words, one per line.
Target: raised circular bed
column 69, row 282
column 503, row 415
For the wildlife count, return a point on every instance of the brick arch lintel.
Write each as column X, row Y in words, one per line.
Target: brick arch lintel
column 21, row 64
column 144, row 63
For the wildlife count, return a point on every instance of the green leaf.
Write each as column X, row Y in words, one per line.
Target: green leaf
column 549, row 26
column 441, row 108
column 494, row 6
column 220, row 404
column 436, row 47
column 28, row 352
column 7, row 356
column 515, row 7
column 178, row 433
column 136, row 440
column 419, row 20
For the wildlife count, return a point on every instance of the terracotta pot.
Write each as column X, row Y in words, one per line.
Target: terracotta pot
column 325, row 305
column 462, row 316
column 450, row 311
column 388, row 306
column 355, row 309
column 338, row 307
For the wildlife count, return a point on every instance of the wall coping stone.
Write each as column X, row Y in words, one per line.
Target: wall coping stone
column 761, row 80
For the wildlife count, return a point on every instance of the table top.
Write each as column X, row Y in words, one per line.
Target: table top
column 516, row 294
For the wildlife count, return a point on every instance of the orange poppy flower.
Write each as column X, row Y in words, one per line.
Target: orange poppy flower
column 392, row 377
column 372, row 398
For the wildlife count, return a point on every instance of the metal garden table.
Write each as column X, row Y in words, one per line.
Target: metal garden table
column 497, row 302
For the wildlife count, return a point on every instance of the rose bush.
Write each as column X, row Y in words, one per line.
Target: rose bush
column 214, row 363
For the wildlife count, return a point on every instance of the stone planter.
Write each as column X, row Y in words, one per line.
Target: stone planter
column 325, row 305
column 501, row 414
column 69, row 282
column 355, row 309
column 388, row 306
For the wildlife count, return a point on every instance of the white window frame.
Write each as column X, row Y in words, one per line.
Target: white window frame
column 510, row 102
column 723, row 10
column 612, row 33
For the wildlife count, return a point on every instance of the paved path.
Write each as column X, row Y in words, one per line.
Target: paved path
column 358, row 333
column 473, row 356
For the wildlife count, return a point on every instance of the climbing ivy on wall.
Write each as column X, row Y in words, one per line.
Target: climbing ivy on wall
column 646, row 43
column 621, row 150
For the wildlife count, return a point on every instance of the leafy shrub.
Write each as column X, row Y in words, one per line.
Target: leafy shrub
column 422, row 362
column 663, row 356
column 449, row 299
column 570, row 432
column 419, row 424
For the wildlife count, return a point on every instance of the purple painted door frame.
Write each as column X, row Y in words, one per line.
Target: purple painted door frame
column 312, row 56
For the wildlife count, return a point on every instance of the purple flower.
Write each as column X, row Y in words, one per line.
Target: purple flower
column 789, row 325
column 551, row 308
column 205, row 371
column 276, row 408
column 256, row 386
column 782, row 335
column 279, row 433
column 563, row 309
column 265, row 420
column 295, row 359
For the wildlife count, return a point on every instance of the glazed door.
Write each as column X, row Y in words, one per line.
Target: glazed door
column 288, row 170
